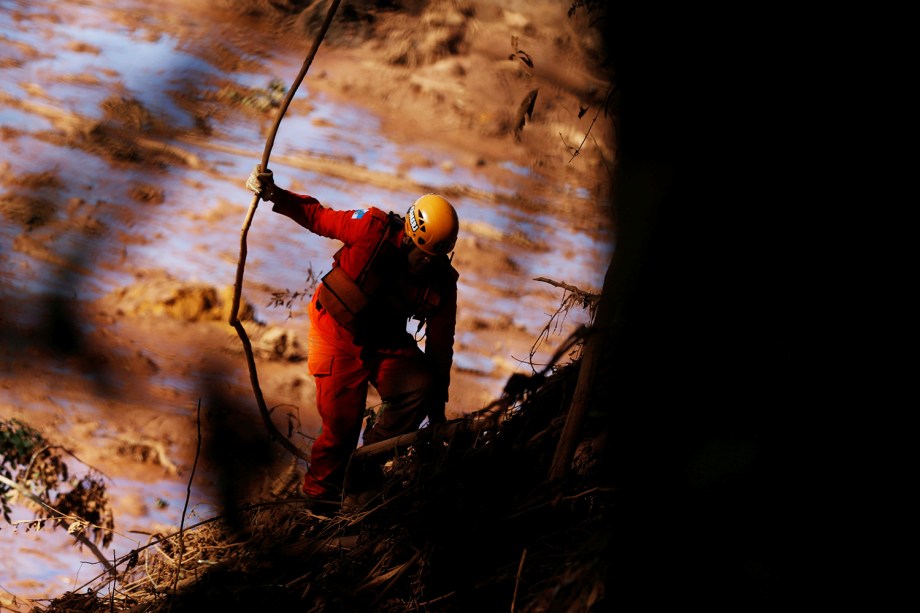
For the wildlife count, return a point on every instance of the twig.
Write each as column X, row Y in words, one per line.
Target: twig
column 572, row 295
column 566, row 286
column 395, row 580
column 14, row 602
column 153, row 582
column 546, row 503
column 596, row 115
column 603, row 159
column 204, row 522
column 438, row 599
column 589, row 491
column 517, row 579
column 188, row 493
column 112, row 589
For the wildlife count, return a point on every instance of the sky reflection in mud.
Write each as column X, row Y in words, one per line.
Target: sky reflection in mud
column 147, row 64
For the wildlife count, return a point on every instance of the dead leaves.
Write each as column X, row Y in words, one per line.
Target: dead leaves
column 524, row 112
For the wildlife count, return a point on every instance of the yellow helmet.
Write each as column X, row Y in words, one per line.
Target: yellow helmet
column 432, row 224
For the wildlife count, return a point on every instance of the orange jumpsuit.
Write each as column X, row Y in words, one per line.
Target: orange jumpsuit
column 376, row 348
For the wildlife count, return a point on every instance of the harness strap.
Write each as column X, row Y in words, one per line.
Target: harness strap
column 343, row 297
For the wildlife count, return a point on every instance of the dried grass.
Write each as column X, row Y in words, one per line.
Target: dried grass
column 466, row 520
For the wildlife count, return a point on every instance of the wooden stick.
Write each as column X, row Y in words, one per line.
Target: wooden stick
column 238, row 284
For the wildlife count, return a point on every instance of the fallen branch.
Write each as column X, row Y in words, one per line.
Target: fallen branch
column 570, row 288
column 484, row 418
column 441, row 431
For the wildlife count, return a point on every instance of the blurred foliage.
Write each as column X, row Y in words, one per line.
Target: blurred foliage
column 590, row 6
column 33, row 470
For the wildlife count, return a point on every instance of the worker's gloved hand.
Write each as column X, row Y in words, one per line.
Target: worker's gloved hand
column 262, row 183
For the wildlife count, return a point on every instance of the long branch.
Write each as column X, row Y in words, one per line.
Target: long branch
column 238, row 284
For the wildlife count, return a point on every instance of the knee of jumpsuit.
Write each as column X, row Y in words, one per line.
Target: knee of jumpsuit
column 405, row 387
column 341, row 395
column 398, row 415
column 330, row 454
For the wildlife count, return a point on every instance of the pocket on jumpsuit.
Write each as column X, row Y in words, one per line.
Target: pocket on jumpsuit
column 319, row 364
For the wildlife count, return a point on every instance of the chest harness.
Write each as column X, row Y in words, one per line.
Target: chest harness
column 383, row 289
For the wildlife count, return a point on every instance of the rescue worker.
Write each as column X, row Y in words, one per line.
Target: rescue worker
column 389, row 270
